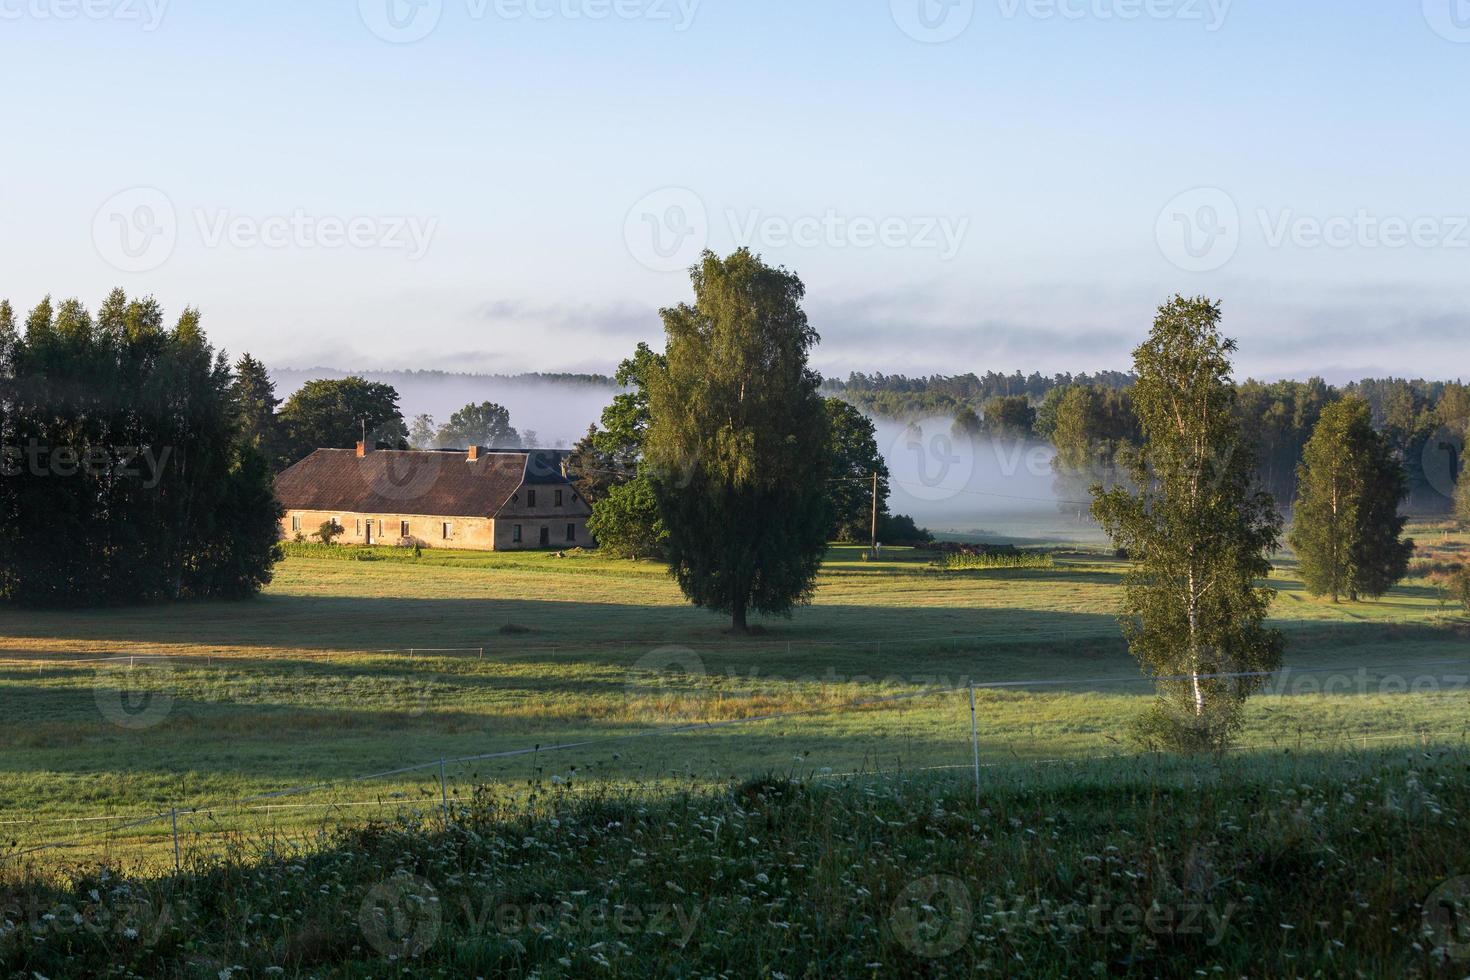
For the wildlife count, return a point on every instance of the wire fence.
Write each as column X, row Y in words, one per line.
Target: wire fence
column 441, row 784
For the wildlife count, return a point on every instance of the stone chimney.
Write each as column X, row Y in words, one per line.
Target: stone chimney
column 473, row 454
column 362, row 449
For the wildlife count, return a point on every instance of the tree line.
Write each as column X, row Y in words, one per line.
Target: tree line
column 126, row 473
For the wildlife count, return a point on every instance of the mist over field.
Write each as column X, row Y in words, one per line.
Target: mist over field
column 994, row 489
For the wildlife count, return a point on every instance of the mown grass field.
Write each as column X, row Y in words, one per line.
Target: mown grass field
column 313, row 684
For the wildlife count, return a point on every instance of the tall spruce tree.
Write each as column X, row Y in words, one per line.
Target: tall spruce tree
column 1347, row 530
column 255, row 407
column 737, row 442
column 1198, row 534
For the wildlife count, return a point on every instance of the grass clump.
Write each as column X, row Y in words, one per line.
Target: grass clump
column 969, row 561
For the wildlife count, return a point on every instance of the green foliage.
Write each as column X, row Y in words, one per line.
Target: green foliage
column 1096, row 433
column 1278, row 419
column 967, row 425
column 1009, row 417
column 423, row 434
column 484, row 424
column 626, row 521
column 1462, row 495
column 1347, row 530
column 855, row 458
column 1458, row 584
column 610, row 456
column 964, row 561
column 1199, row 534
column 738, row 441
column 896, row 529
column 126, row 478
column 256, row 403
column 329, row 531
column 1249, row 867
column 332, row 414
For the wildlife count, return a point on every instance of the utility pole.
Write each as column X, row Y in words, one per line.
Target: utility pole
column 874, row 542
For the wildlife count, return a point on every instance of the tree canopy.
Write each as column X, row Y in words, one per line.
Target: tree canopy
column 335, row 413
column 1197, row 532
column 737, row 441
column 127, row 476
column 1347, row 530
column 482, row 424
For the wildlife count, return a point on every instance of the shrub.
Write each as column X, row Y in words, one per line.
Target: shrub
column 330, row 531
column 963, row 561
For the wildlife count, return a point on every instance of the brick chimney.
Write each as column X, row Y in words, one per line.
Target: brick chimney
column 473, row 454
column 362, row 450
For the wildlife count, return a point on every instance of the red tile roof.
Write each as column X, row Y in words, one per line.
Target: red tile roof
column 394, row 482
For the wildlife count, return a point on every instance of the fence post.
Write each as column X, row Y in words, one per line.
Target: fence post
column 174, row 816
column 444, row 792
column 482, row 653
column 975, row 740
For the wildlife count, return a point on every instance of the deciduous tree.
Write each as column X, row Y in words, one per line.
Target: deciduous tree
column 738, row 442
column 333, row 414
column 1347, row 531
column 1198, row 534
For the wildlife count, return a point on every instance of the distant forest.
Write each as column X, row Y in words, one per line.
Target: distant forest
column 1089, row 418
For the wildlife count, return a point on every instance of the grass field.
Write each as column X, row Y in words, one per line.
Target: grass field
column 314, row 684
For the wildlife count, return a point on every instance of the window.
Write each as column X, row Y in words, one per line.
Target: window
column 403, row 529
column 448, row 530
column 515, row 533
column 359, row 527
column 295, row 522
column 530, row 498
column 558, row 498
column 571, row 532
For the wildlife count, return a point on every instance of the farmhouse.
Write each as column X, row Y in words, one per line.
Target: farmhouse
column 480, row 499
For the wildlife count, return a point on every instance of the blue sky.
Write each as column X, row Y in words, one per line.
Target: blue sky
column 331, row 191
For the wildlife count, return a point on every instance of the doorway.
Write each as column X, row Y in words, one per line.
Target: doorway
column 546, row 537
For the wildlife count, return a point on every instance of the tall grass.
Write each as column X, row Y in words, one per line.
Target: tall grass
column 1268, row 866
column 961, row 561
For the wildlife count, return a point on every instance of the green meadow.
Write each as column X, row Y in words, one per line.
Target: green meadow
column 348, row 668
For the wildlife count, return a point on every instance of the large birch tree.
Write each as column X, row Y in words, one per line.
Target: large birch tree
column 1198, row 534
